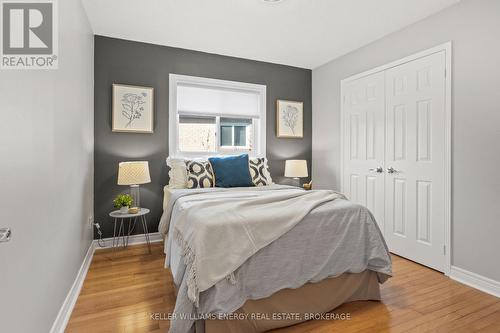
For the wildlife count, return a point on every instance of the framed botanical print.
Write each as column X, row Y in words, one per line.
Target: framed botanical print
column 289, row 119
column 132, row 109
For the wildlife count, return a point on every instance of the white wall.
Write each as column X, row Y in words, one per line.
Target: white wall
column 46, row 177
column 474, row 28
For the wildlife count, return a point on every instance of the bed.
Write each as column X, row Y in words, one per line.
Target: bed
column 244, row 259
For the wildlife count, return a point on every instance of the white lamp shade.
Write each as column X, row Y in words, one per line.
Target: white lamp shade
column 296, row 168
column 133, row 173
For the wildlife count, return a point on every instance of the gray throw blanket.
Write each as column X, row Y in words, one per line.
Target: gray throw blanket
column 219, row 231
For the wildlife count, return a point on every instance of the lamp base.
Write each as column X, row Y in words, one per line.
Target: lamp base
column 134, row 210
column 135, row 193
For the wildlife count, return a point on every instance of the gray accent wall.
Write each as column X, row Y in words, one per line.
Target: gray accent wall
column 46, row 170
column 474, row 28
column 135, row 63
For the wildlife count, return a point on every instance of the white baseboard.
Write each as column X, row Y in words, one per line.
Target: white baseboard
column 476, row 281
column 62, row 318
column 64, row 314
column 132, row 240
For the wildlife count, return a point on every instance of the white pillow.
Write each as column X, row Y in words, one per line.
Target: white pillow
column 177, row 172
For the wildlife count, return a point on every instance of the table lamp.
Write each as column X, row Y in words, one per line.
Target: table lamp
column 296, row 169
column 134, row 174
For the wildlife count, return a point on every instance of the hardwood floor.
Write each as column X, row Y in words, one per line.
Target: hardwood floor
column 123, row 287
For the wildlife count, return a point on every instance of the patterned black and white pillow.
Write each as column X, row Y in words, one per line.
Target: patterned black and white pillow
column 259, row 171
column 199, row 174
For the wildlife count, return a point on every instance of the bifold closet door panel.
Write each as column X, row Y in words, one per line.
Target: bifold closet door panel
column 415, row 160
column 363, row 144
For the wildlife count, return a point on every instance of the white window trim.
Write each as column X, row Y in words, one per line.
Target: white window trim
column 258, row 131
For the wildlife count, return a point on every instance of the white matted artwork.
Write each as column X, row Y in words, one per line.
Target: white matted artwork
column 132, row 109
column 289, row 119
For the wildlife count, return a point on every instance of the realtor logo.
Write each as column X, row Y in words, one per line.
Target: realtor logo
column 29, row 34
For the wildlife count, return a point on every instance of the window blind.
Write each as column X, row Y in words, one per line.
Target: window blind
column 204, row 101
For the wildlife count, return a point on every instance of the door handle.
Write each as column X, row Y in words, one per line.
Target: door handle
column 5, row 234
column 392, row 170
column 377, row 170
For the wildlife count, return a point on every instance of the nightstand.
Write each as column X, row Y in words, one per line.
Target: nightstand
column 122, row 219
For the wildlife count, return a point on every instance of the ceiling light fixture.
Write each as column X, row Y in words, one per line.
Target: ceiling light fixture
column 272, row 1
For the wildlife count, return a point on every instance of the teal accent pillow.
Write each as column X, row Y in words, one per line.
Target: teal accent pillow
column 231, row 171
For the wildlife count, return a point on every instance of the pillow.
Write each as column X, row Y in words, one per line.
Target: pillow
column 231, row 171
column 177, row 172
column 199, row 174
column 259, row 171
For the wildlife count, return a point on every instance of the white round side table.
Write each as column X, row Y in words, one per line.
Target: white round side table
column 122, row 220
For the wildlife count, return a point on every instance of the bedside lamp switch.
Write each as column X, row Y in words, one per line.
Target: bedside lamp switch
column 5, row 235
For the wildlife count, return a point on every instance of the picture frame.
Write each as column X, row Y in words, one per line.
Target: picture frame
column 132, row 109
column 289, row 119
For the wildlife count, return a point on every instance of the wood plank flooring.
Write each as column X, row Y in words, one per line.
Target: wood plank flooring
column 124, row 287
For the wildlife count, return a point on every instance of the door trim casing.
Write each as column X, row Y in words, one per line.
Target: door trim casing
column 447, row 48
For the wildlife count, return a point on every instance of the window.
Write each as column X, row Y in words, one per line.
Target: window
column 236, row 134
column 208, row 116
column 197, row 134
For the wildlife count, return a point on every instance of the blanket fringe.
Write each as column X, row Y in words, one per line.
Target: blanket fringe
column 189, row 260
column 231, row 278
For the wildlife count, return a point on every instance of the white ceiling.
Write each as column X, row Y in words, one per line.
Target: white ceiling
column 302, row 33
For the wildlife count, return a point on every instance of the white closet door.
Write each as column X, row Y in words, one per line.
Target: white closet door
column 415, row 160
column 364, row 121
